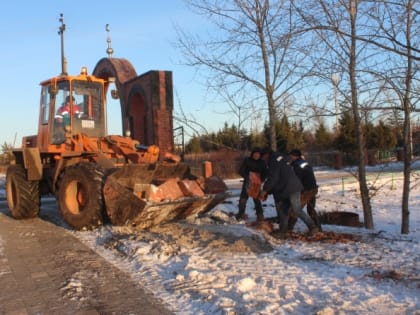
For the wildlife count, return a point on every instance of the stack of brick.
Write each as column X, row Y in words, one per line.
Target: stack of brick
column 174, row 189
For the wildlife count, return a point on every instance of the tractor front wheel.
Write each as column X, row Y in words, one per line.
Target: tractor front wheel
column 23, row 196
column 79, row 196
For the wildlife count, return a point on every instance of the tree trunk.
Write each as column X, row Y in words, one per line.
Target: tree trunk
column 405, row 216
column 364, row 191
column 272, row 123
column 267, row 76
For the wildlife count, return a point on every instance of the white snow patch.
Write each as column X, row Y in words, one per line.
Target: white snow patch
column 246, row 284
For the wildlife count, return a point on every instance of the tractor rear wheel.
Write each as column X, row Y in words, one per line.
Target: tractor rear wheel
column 79, row 196
column 23, row 196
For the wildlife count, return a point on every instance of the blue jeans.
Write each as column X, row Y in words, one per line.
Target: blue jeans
column 282, row 207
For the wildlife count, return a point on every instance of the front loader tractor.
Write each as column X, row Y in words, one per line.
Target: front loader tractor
column 97, row 177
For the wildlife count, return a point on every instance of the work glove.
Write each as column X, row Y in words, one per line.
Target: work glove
column 262, row 195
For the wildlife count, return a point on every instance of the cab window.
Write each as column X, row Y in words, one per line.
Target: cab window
column 45, row 105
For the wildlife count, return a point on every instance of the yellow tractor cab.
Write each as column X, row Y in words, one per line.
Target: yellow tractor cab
column 71, row 105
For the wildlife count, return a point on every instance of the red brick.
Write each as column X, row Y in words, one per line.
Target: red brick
column 191, row 188
column 254, row 185
column 171, row 190
column 207, row 169
column 155, row 194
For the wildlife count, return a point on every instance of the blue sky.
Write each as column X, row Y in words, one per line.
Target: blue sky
column 141, row 31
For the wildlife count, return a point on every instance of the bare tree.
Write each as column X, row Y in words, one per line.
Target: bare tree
column 335, row 24
column 399, row 36
column 255, row 47
column 239, row 106
column 385, row 29
column 263, row 49
column 194, row 127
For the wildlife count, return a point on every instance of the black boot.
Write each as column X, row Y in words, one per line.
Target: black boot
column 291, row 221
column 259, row 210
column 241, row 213
column 283, row 218
column 260, row 216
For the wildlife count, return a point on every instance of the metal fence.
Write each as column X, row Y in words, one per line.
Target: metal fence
column 226, row 164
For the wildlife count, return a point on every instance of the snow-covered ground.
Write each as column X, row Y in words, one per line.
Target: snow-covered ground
column 215, row 265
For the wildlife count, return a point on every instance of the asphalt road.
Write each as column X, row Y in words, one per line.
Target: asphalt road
column 44, row 269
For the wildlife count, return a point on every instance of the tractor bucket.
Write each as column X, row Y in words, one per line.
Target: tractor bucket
column 149, row 195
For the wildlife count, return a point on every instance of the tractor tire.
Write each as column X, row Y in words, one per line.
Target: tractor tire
column 79, row 196
column 23, row 196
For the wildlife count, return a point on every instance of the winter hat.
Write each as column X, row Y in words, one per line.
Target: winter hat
column 266, row 150
column 295, row 152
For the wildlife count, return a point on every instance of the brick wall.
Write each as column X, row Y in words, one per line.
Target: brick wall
column 146, row 101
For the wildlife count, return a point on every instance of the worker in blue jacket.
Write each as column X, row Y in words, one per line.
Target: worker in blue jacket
column 305, row 173
column 286, row 187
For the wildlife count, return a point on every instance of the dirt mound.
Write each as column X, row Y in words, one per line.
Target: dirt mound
column 266, row 227
column 220, row 238
column 324, row 237
column 216, row 233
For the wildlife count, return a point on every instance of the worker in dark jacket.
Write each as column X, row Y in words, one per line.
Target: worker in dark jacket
column 252, row 164
column 285, row 186
column 310, row 188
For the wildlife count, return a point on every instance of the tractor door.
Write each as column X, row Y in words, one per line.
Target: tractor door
column 50, row 131
column 44, row 116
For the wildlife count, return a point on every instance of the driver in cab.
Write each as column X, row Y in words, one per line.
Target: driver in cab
column 62, row 119
column 63, row 112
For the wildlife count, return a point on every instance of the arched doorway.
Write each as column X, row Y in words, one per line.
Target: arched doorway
column 146, row 101
column 136, row 115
